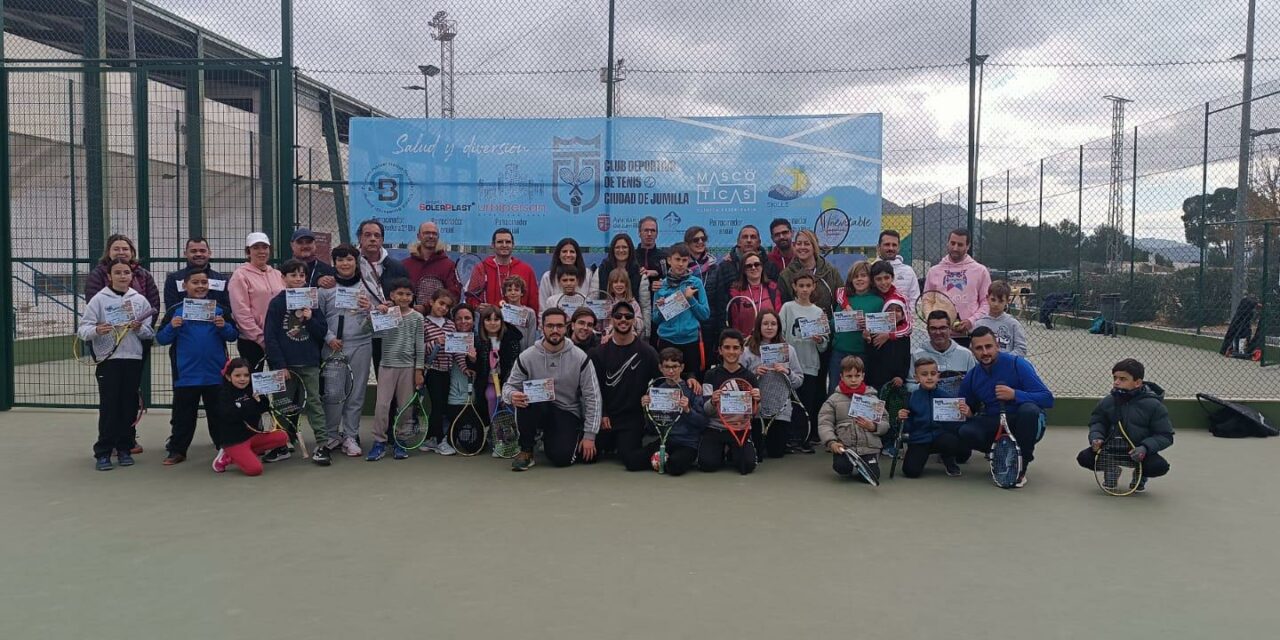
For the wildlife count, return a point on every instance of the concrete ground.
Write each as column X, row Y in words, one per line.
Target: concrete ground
column 464, row 548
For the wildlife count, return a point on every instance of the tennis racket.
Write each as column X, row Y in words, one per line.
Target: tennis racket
column 471, row 274
column 737, row 423
column 934, row 300
column 831, row 227
column 740, row 313
column 467, row 431
column 569, row 302
column 775, row 395
column 286, row 408
column 407, row 430
column 336, row 378
column 427, row 287
column 1006, row 456
column 663, row 420
column 1111, row 461
column 863, row 467
column 506, row 435
column 91, row 353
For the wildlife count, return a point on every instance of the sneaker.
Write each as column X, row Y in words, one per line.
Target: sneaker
column 1022, row 481
column 276, row 455
column 173, row 458
column 124, row 459
column 136, row 449
column 220, row 461
column 430, row 445
column 446, row 449
column 889, row 451
column 953, row 469
column 350, row 447
column 333, row 444
column 398, row 452
column 1142, row 486
column 321, row 457
column 523, row 461
column 805, row 448
column 494, row 454
column 376, row 452
column 103, row 463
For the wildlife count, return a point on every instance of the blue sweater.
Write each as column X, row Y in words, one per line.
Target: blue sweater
column 979, row 386
column 684, row 328
column 920, row 426
column 290, row 341
column 200, row 347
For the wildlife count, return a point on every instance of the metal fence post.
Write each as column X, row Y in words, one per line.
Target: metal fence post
column 287, row 171
column 1133, row 212
column 1079, row 231
column 7, row 321
column 142, row 192
column 1204, row 195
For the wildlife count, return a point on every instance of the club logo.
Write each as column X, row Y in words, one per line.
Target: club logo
column 387, row 188
column 795, row 187
column 575, row 172
column 726, row 187
column 603, row 222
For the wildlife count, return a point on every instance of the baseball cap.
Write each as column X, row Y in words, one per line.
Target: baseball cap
column 257, row 237
column 302, row 233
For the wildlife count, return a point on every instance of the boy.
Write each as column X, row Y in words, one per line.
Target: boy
column 294, row 340
column 1009, row 333
column 839, row 431
column 925, row 434
column 513, row 292
column 807, row 352
column 1140, row 405
column 342, row 420
column 400, row 372
column 568, row 295
column 682, row 330
column 199, row 349
column 711, row 449
column 686, row 433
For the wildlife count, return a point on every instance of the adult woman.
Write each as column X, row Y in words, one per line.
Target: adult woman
column 807, row 260
column 120, row 247
column 622, row 254
column 753, row 284
column 696, row 238
column 251, row 289
column 567, row 257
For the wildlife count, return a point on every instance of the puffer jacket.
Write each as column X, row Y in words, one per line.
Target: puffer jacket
column 1144, row 416
column 834, row 423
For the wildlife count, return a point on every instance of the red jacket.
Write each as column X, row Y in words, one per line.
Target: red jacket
column 495, row 274
column 777, row 259
column 437, row 264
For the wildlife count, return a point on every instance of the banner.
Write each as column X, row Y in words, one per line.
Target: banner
column 591, row 178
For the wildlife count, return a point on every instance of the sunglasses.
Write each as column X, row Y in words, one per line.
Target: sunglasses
column 752, row 265
column 699, row 239
column 624, row 316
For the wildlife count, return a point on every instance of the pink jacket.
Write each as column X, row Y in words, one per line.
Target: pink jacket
column 251, row 290
column 965, row 282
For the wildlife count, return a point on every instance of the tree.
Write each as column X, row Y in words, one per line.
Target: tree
column 1219, row 207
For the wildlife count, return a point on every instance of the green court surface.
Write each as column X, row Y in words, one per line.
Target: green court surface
column 435, row 547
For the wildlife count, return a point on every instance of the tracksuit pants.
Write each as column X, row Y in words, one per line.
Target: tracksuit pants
column 395, row 386
column 343, row 420
column 186, row 407
column 945, row 444
column 118, row 404
column 561, row 431
column 980, row 431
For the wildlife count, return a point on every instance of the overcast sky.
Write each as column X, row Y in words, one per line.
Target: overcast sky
column 1050, row 64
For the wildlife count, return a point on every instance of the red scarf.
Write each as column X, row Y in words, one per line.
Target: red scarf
column 853, row 391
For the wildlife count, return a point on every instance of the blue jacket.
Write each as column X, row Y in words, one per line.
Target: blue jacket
column 291, row 342
column 200, row 347
column 687, row 431
column 920, row 427
column 979, row 386
column 684, row 328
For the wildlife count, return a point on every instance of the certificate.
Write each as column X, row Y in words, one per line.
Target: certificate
column 344, row 298
column 301, row 298
column 664, row 400
column 516, row 315
column 119, row 314
column 867, row 407
column 268, row 382
column 735, row 402
column 457, row 342
column 880, row 322
column 812, row 327
column 198, row 310
column 673, row 305
column 947, row 410
column 848, row 321
column 385, row 321
column 542, row 390
column 773, row 353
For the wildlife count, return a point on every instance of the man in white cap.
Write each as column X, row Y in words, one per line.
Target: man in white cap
column 252, row 286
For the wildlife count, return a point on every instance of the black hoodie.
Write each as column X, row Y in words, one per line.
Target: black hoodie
column 237, row 409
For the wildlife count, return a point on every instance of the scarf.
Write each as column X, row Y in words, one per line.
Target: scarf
column 853, row 391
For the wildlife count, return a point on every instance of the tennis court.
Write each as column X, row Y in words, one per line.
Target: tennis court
column 453, row 548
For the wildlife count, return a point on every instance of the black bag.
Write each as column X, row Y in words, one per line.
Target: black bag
column 1234, row 420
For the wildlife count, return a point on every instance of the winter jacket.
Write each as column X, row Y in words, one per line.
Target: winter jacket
column 684, row 328
column 508, row 350
column 576, row 388
column 834, row 423
column 721, row 281
column 290, row 341
column 201, row 347
column 767, row 297
column 174, row 290
column 251, row 291
column 822, row 296
column 778, row 260
column 376, row 275
column 654, row 259
column 979, row 385
column 437, row 264
column 143, row 282
column 236, row 410
column 96, row 312
column 965, row 282
column 493, row 275
column 920, row 427
column 1144, row 416
column 688, row 428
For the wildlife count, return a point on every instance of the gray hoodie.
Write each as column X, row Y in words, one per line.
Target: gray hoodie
column 1009, row 333
column 577, row 390
column 952, row 364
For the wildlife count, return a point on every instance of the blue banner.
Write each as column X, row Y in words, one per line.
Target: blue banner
column 591, row 178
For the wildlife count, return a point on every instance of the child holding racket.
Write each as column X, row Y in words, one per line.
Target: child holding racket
column 115, row 322
column 924, row 433
column 496, row 349
column 568, row 298
column 350, row 302
column 1010, row 335
column 239, row 411
column 462, row 378
column 804, row 324
column 840, row 431
column 686, row 433
column 294, row 339
column 400, row 372
column 716, row 440
column 1139, row 405
column 889, row 354
column 199, row 348
column 436, row 329
column 856, row 296
column 768, row 330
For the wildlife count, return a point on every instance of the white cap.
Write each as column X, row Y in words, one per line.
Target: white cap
column 257, row 237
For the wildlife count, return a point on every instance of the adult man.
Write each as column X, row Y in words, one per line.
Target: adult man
column 197, row 253
column 574, row 410
column 904, row 277
column 962, row 279
column 502, row 265
column 582, row 328
column 782, row 254
column 953, row 360
column 624, row 366
column 319, row 273
column 1003, row 383
column 426, row 258
column 376, row 270
column 723, row 275
column 653, row 261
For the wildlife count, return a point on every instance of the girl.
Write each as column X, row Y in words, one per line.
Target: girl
column 568, row 257
column 496, row 351
column 888, row 354
column 462, row 379
column 768, row 330
column 238, row 408
column 438, row 365
column 619, row 288
column 701, row 260
column 120, row 375
column 621, row 256
column 752, row 283
column 856, row 296
column 839, row 431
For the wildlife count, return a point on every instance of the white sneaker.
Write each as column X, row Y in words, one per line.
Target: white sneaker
column 494, row 453
column 446, row 449
column 350, row 447
column 430, row 445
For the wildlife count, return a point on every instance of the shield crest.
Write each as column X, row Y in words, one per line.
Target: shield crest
column 575, row 172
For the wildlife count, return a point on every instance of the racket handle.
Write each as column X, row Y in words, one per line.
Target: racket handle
column 341, row 325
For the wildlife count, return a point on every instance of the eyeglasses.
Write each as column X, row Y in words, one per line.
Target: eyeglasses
column 752, row 265
column 624, row 316
column 553, row 326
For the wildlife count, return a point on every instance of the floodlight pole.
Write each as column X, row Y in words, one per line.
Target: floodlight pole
column 1240, row 237
column 973, row 94
column 608, row 87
